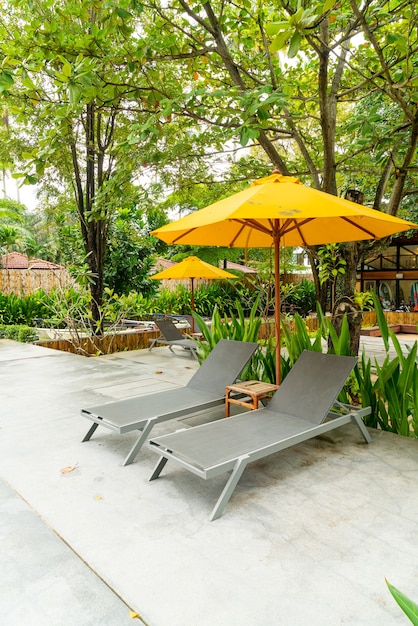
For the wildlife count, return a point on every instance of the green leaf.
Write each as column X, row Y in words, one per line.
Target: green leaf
column 6, row 79
column 74, row 92
column 31, row 180
column 381, row 320
column 66, row 69
column 328, row 4
column 123, row 13
column 274, row 27
column 244, row 136
column 409, row 607
column 294, row 44
column 280, row 41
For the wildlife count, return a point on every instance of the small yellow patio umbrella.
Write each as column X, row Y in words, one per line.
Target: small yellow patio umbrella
column 192, row 267
column 280, row 211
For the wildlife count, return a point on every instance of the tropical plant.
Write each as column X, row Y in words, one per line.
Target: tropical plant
column 330, row 266
column 409, row 607
column 24, row 309
column 364, row 299
column 237, row 328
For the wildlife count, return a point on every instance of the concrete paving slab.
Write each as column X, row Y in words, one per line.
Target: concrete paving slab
column 43, row 582
column 308, row 537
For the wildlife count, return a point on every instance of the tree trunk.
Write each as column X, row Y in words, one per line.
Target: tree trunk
column 347, row 307
column 93, row 229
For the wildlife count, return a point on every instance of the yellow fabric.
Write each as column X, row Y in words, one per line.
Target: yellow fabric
column 192, row 267
column 274, row 208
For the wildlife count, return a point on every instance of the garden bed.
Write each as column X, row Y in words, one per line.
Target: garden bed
column 93, row 346
column 374, row 331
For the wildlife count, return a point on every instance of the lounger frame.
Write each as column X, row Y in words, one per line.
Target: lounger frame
column 205, row 390
column 286, row 430
column 171, row 336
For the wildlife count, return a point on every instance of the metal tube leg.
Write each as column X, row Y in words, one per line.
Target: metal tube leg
column 90, row 432
column 158, row 468
column 357, row 420
column 139, row 443
column 229, row 488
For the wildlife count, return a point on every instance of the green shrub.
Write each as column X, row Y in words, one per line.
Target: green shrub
column 18, row 332
column 16, row 309
column 303, row 296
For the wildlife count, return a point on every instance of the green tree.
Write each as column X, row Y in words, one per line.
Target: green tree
column 328, row 91
column 130, row 253
column 322, row 90
column 72, row 73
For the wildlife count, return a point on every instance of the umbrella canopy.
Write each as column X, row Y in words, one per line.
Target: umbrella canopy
column 192, row 267
column 280, row 211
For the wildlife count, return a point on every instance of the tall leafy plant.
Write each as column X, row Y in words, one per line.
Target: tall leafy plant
column 237, row 327
column 390, row 388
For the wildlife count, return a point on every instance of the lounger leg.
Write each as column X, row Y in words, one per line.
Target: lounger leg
column 152, row 344
column 357, row 420
column 229, row 488
column 90, row 432
column 158, row 468
column 139, row 443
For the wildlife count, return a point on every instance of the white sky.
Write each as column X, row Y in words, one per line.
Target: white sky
column 26, row 194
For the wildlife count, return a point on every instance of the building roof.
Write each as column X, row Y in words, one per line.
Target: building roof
column 240, row 268
column 19, row 261
column 162, row 264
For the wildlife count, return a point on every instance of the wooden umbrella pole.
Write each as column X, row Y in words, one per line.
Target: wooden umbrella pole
column 277, row 303
column 192, row 305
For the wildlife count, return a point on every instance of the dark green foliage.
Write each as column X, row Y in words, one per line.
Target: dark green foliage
column 237, row 327
column 24, row 309
column 18, row 332
column 303, row 297
column 129, row 253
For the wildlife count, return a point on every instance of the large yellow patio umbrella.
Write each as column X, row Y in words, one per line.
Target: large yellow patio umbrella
column 280, row 211
column 192, row 267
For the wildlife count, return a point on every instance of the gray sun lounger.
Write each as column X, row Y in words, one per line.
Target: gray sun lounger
column 204, row 390
column 171, row 336
column 304, row 406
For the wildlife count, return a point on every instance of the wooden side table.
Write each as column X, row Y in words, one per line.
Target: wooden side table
column 254, row 390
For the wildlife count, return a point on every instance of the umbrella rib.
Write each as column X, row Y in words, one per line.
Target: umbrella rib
column 364, row 230
column 244, row 224
column 290, row 225
column 253, row 224
column 180, row 237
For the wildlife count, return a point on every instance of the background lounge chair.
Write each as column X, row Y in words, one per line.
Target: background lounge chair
column 298, row 411
column 204, row 390
column 171, row 336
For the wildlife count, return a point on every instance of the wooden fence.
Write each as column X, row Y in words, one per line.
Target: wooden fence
column 26, row 281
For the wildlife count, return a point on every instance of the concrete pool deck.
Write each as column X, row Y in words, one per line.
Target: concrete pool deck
column 309, row 535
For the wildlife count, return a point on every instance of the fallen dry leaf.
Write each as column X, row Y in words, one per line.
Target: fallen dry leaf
column 68, row 469
column 98, row 498
column 133, row 614
column 159, row 371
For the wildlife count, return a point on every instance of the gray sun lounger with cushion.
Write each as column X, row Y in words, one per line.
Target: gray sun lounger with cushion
column 304, row 406
column 205, row 389
column 171, row 336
